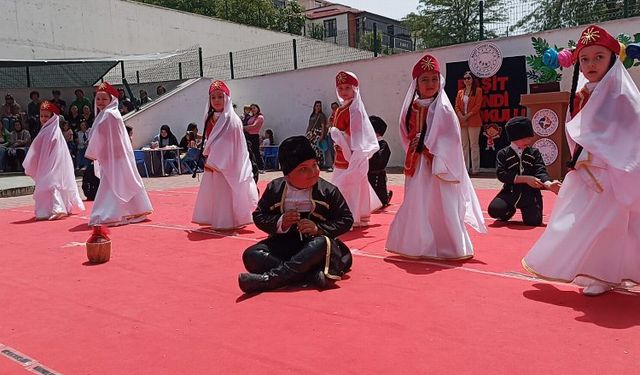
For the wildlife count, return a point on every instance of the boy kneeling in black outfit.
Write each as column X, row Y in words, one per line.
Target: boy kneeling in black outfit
column 522, row 170
column 303, row 214
column 377, row 174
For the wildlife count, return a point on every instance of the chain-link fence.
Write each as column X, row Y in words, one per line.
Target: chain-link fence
column 528, row 16
column 179, row 65
column 312, row 52
column 374, row 40
column 279, row 57
column 468, row 21
column 52, row 73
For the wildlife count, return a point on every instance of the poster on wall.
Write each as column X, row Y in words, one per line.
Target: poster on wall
column 501, row 99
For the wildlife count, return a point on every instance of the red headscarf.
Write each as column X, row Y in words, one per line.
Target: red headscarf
column 48, row 106
column 219, row 85
column 596, row 36
column 346, row 78
column 427, row 63
column 106, row 87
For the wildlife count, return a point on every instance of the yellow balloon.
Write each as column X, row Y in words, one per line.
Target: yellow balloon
column 623, row 52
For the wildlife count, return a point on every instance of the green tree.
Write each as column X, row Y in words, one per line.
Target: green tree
column 259, row 13
column 444, row 22
column 366, row 42
column 556, row 14
column 419, row 26
column 291, row 18
column 204, row 7
column 315, row 31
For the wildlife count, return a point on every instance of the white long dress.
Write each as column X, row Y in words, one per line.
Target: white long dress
column 228, row 194
column 594, row 229
column 439, row 197
column 357, row 146
column 49, row 163
column 121, row 197
column 353, row 182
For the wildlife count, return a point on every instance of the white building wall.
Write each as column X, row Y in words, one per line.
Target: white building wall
column 39, row 29
column 185, row 105
column 342, row 22
column 286, row 98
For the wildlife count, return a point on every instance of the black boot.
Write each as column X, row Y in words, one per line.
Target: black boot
column 257, row 260
column 260, row 282
column 253, row 282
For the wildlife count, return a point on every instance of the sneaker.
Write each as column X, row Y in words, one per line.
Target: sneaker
column 329, row 169
column 596, row 288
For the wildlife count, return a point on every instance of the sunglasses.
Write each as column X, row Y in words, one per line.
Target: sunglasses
column 467, row 78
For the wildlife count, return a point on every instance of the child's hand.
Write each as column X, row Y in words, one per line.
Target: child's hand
column 308, row 227
column 554, row 186
column 531, row 181
column 288, row 219
column 414, row 143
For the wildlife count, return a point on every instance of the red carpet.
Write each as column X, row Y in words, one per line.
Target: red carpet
column 168, row 303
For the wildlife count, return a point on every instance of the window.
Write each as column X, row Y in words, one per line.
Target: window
column 330, row 28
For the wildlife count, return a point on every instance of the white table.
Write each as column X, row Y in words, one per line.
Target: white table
column 162, row 150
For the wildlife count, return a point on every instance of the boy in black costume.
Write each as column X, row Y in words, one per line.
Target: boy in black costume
column 303, row 214
column 378, row 162
column 522, row 170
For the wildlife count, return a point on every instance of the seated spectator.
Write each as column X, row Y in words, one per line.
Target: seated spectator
column 87, row 115
column 33, row 110
column 127, row 106
column 144, row 97
column 10, row 112
column 121, row 98
column 4, row 146
column 58, row 101
column 191, row 157
column 268, row 138
column 81, row 101
column 67, row 133
column 191, row 140
column 74, row 117
column 19, row 142
column 160, row 90
column 164, row 139
column 82, row 136
column 184, row 142
column 121, row 95
column 129, row 132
